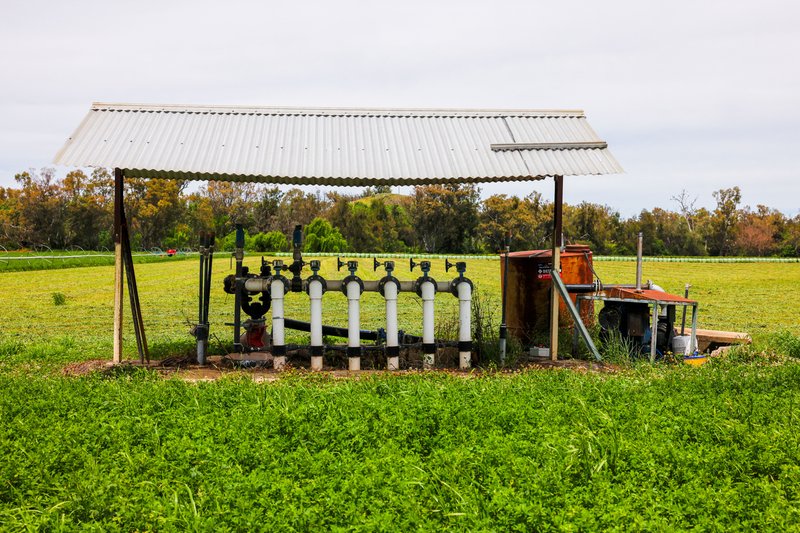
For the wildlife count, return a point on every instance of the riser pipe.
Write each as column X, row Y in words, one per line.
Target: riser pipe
column 315, row 295
column 464, row 325
column 428, row 292
column 278, row 331
column 353, row 326
column 392, row 342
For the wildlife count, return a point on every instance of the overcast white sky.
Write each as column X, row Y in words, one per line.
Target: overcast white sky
column 695, row 95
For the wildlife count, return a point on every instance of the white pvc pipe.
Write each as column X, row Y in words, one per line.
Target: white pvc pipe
column 464, row 323
column 315, row 295
column 278, row 331
column 353, row 322
column 390, row 293
column 428, row 293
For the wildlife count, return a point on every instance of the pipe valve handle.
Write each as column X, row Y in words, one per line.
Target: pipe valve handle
column 339, row 264
column 448, row 265
column 411, row 264
column 375, row 264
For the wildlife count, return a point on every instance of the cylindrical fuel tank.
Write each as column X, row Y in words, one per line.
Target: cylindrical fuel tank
column 529, row 289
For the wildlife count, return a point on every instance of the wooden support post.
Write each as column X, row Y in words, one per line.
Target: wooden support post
column 558, row 201
column 118, row 198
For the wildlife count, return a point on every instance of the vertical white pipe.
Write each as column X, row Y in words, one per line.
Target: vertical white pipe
column 278, row 331
column 392, row 343
column 464, row 325
column 353, row 324
column 428, row 342
column 315, row 295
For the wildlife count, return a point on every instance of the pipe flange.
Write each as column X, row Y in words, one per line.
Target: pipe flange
column 287, row 285
column 420, row 281
column 348, row 279
column 317, row 277
column 388, row 279
column 456, row 282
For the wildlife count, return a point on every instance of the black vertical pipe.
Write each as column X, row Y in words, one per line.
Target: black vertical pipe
column 202, row 278
column 237, row 299
column 209, row 264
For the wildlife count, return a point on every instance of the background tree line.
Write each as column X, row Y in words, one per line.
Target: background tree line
column 77, row 211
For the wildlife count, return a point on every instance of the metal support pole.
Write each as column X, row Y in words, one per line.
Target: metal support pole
column 118, row 199
column 576, row 316
column 557, row 228
column 683, row 320
column 639, row 262
column 503, row 325
column 653, row 333
column 133, row 294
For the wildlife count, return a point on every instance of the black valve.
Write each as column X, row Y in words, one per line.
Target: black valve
column 266, row 270
column 352, row 266
column 461, row 266
column 387, row 265
column 425, row 266
column 315, row 265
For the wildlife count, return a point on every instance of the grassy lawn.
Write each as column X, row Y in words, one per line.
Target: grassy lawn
column 740, row 296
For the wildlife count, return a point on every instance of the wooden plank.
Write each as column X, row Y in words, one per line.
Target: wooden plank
column 558, row 200
column 709, row 337
column 118, row 199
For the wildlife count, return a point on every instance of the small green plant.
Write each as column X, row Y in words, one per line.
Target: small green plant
column 785, row 343
column 59, row 298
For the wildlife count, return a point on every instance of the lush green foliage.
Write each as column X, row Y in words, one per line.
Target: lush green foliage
column 320, row 236
column 712, row 448
column 273, row 241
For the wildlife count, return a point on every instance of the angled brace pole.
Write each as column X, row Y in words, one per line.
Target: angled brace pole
column 133, row 293
column 576, row 316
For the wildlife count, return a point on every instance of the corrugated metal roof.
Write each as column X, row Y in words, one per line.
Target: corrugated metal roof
column 334, row 146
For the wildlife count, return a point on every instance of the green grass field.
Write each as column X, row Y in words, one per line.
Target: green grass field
column 645, row 448
column 744, row 297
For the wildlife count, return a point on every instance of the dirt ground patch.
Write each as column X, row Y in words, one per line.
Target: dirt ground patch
column 218, row 367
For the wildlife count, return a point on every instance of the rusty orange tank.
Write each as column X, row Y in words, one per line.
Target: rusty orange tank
column 529, row 288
